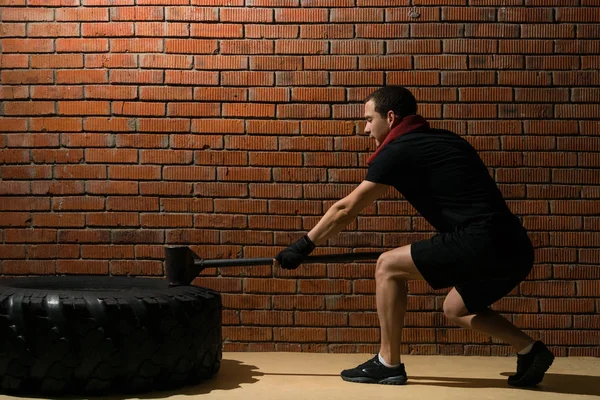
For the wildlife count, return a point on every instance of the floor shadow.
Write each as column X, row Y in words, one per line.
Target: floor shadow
column 232, row 375
column 553, row 383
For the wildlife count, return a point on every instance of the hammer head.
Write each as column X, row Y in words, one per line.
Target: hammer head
column 179, row 265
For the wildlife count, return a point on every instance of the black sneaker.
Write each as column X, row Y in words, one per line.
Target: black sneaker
column 373, row 371
column 532, row 366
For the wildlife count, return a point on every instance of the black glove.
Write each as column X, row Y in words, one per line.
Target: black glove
column 292, row 256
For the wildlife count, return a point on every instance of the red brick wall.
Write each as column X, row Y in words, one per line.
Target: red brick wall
column 234, row 126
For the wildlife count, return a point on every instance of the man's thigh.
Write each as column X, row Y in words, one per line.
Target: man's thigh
column 400, row 262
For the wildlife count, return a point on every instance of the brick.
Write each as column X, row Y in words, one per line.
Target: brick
column 303, row 111
column 470, row 46
column 129, row 76
column 86, row 140
column 248, row 110
column 541, row 95
column 523, row 46
column 301, row 47
column 467, row 111
column 254, row 334
column 527, row 15
column 84, row 236
column 238, row 206
column 27, row 14
column 110, row 188
column 265, row 127
column 243, row 78
column 388, row 31
column 14, row 156
column 356, row 78
column 134, row 268
column 80, row 172
column 70, row 220
column 190, row 46
column 361, row 47
column 138, row 108
column 437, row 30
column 489, row 95
column 138, row 13
column 80, row 77
column 162, row 93
column 160, row 29
column 189, row 173
column 550, row 159
column 579, row 176
column 578, row 144
column 204, row 14
column 57, row 92
column 492, row 30
column 547, row 31
column 24, row 203
column 165, row 221
column 301, row 78
column 83, row 107
column 60, row 156
column 193, row 109
column 27, row 77
column 136, row 45
column 63, row 29
column 314, row 15
column 439, row 62
column 12, row 30
column 52, row 251
column 464, row 78
column 14, row 61
column 272, row 191
column 15, row 219
column 37, row 235
column 163, row 125
column 137, row 236
column 165, row 157
column 82, row 267
column 27, row 45
column 217, row 62
column 107, row 29
column 221, row 190
column 111, row 61
column 425, row 14
column 220, row 221
column 186, row 205
column 551, row 127
column 57, row 61
column 577, row 111
column 496, row 61
column 29, row 108
column 525, row 78
column 57, row 187
column 576, row 271
column 275, row 63
column 323, row 32
column 460, row 14
column 82, row 14
column 27, row 267
column 575, row 78
column 213, row 126
column 247, row 15
column 577, row 14
column 269, row 95
column 306, row 144
column 166, row 61
column 191, row 235
column 220, row 31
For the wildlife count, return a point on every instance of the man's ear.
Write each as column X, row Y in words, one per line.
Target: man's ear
column 392, row 119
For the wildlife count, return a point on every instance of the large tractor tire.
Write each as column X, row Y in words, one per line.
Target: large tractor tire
column 62, row 335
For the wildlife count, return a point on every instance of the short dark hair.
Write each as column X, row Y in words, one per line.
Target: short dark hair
column 395, row 98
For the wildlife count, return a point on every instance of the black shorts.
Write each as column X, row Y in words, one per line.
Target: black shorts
column 482, row 263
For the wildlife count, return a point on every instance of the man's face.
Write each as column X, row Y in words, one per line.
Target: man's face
column 377, row 127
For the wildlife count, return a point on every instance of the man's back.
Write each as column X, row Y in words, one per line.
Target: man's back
column 442, row 176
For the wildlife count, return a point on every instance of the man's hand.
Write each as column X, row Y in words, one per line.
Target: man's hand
column 292, row 256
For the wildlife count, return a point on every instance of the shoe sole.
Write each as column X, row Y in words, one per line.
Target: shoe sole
column 535, row 374
column 394, row 380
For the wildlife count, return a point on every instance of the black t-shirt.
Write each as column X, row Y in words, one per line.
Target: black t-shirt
column 443, row 177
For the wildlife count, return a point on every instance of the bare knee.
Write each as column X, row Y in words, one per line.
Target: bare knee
column 388, row 268
column 454, row 307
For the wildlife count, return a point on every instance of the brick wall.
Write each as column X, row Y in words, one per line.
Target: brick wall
column 233, row 126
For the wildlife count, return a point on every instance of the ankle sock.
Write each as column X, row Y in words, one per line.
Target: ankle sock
column 527, row 349
column 381, row 360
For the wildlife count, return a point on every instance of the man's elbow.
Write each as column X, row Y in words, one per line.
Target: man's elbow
column 343, row 213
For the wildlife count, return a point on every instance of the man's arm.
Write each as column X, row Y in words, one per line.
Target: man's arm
column 345, row 211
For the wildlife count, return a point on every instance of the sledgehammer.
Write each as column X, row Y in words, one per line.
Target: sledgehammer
column 183, row 265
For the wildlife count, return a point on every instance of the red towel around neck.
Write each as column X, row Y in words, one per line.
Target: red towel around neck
column 408, row 124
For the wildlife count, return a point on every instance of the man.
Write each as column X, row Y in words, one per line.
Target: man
column 481, row 249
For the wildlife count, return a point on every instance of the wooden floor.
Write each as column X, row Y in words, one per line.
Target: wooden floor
column 308, row 376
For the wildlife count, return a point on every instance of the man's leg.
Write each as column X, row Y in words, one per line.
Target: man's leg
column 489, row 322
column 394, row 269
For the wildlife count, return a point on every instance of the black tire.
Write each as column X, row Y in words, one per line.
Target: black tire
column 64, row 335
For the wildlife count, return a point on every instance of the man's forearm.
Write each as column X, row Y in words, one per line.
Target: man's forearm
column 334, row 220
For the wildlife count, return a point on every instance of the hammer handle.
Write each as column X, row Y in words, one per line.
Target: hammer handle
column 329, row 258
